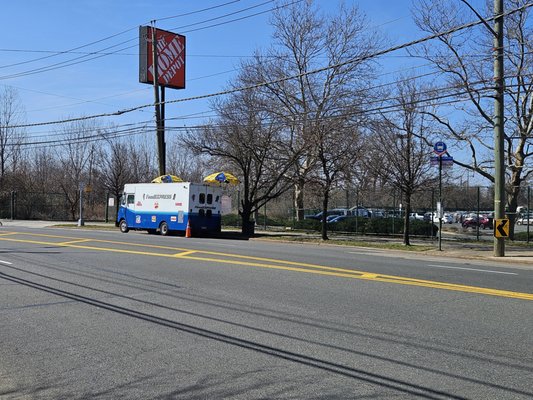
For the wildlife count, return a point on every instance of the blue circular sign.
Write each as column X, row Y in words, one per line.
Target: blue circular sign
column 439, row 148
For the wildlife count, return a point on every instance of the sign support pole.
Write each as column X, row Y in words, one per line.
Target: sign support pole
column 80, row 221
column 440, row 202
column 528, row 211
column 159, row 127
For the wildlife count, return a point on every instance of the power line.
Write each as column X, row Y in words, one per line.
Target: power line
column 98, row 54
column 255, row 86
column 115, row 35
column 114, row 132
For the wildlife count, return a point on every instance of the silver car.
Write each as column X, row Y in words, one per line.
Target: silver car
column 525, row 220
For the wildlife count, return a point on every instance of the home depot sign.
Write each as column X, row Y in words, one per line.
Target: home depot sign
column 170, row 58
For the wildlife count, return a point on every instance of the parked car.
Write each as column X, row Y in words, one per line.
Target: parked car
column 446, row 219
column 376, row 213
column 483, row 222
column 335, row 212
column 333, row 219
column 415, row 215
column 525, row 220
column 359, row 212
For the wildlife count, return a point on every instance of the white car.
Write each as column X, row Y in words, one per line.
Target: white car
column 446, row 219
column 418, row 216
column 525, row 220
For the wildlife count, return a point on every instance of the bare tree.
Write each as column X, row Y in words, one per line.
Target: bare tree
column 306, row 41
column 76, row 159
column 11, row 137
column 401, row 153
column 185, row 164
column 464, row 60
column 338, row 144
column 142, row 159
column 243, row 140
column 114, row 167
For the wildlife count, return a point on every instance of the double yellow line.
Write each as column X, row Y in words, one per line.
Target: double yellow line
column 259, row 262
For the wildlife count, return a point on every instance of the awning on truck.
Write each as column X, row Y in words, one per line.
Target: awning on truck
column 221, row 177
column 167, row 179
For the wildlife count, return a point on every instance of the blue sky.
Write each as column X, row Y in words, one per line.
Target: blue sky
column 35, row 29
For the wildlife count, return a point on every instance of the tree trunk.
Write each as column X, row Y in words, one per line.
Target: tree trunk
column 248, row 223
column 299, row 200
column 512, row 201
column 325, row 202
column 406, row 220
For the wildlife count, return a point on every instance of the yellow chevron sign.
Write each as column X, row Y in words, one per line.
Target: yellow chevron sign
column 501, row 228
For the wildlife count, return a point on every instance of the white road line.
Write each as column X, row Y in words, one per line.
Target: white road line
column 473, row 269
column 5, row 262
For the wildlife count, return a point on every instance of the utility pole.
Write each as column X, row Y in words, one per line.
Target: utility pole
column 498, row 120
column 158, row 106
column 499, row 171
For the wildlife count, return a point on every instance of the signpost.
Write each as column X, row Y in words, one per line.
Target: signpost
column 441, row 160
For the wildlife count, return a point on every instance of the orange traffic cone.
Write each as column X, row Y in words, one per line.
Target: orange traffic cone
column 188, row 233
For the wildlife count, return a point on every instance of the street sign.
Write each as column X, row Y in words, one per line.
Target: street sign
column 447, row 161
column 439, row 148
column 501, row 228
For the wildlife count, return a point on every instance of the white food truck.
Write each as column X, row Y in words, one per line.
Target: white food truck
column 167, row 207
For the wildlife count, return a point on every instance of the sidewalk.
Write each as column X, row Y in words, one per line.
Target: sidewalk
column 482, row 250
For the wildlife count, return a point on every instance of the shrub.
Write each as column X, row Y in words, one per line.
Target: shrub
column 231, row 220
column 308, row 224
column 384, row 226
column 356, row 224
column 522, row 236
column 422, row 228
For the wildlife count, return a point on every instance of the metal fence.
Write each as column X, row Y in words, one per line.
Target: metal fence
column 49, row 207
column 476, row 199
column 453, row 199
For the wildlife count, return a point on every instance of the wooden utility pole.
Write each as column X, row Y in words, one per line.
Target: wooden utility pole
column 498, row 120
column 499, row 168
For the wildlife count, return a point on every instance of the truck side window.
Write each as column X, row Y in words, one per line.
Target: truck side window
column 202, row 198
column 131, row 199
column 209, row 198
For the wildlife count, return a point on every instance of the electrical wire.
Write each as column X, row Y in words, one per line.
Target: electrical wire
column 118, row 34
column 115, row 133
column 98, row 54
column 358, row 59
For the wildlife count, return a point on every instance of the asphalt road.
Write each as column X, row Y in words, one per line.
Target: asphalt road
column 103, row 315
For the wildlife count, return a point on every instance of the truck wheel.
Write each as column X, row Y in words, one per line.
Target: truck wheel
column 124, row 226
column 163, row 228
